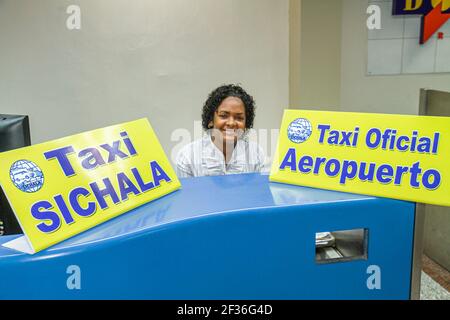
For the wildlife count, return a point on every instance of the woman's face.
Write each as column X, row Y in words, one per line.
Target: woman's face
column 229, row 119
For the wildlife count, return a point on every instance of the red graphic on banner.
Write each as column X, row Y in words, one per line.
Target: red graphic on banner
column 434, row 14
column 432, row 22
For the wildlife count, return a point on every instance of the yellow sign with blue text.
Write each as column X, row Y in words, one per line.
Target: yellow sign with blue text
column 63, row 187
column 394, row 156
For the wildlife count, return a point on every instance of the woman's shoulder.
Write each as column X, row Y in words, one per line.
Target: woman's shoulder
column 253, row 146
column 256, row 155
column 190, row 149
column 191, row 145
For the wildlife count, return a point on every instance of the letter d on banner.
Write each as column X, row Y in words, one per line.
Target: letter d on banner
column 411, row 5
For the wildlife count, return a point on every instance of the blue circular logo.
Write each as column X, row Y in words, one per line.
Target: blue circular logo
column 26, row 176
column 299, row 130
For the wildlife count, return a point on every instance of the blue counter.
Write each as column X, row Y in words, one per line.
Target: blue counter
column 225, row 237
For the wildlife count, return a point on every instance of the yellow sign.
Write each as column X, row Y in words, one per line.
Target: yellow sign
column 63, row 187
column 393, row 156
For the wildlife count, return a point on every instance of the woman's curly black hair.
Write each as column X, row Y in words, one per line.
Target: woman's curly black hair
column 216, row 97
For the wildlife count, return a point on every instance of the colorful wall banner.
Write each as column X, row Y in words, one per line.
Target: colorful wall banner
column 394, row 156
column 63, row 187
column 435, row 13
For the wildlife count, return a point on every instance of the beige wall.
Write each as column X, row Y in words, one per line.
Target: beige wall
column 320, row 55
column 295, row 10
column 382, row 94
column 131, row 59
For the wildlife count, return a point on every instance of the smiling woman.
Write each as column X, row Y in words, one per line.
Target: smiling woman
column 227, row 115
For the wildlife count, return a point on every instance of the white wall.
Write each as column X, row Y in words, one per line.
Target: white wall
column 295, row 13
column 381, row 94
column 157, row 59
